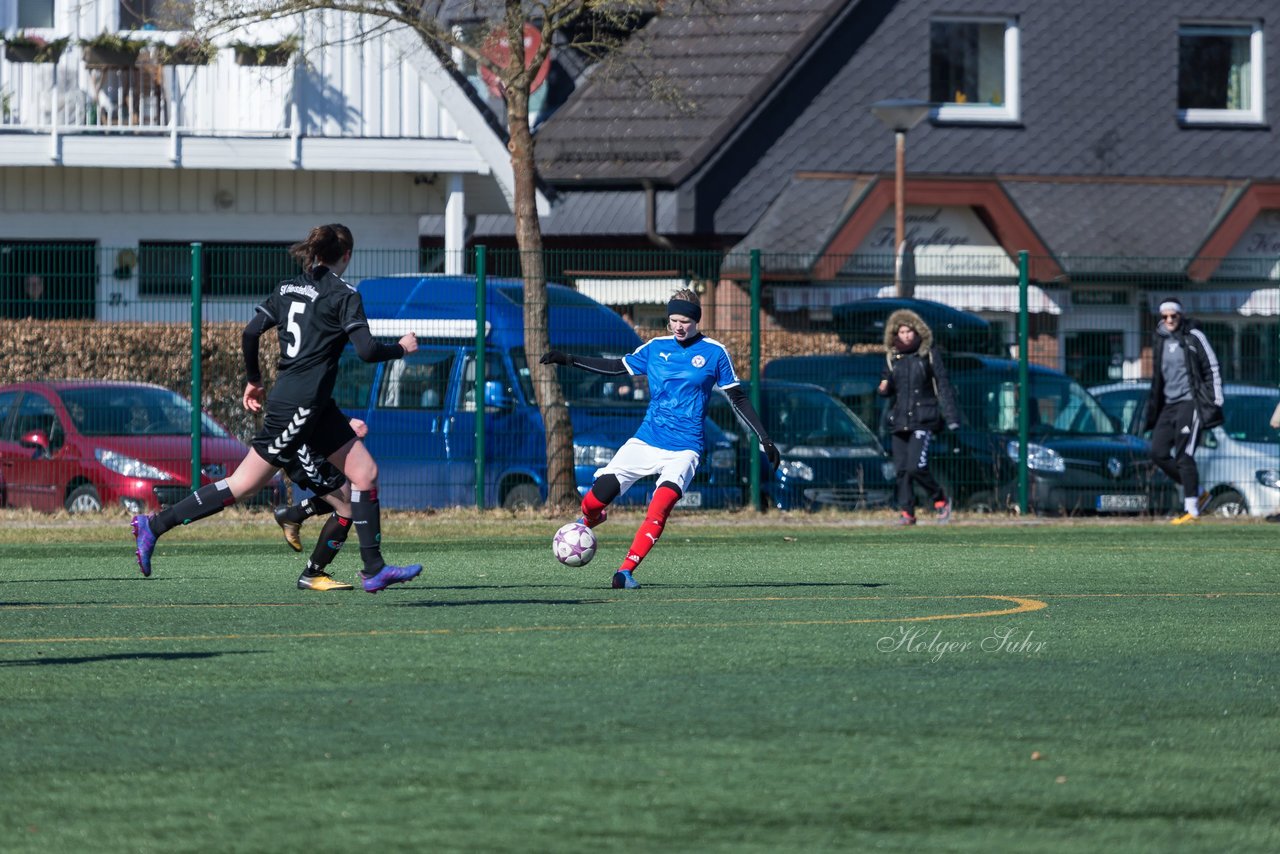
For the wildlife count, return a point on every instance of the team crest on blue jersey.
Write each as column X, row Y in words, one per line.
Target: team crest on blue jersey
column 699, row 361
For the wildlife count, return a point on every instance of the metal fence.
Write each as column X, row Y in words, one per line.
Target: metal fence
column 458, row 424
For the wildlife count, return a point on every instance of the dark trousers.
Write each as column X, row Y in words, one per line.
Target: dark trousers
column 911, row 465
column 1173, row 445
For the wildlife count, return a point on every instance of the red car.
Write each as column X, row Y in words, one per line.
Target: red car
column 84, row 445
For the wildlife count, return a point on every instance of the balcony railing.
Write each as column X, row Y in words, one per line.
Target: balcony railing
column 387, row 99
column 217, row 99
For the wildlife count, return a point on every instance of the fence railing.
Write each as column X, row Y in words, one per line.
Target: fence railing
column 458, row 423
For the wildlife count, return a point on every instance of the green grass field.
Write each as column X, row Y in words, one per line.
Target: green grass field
column 796, row 685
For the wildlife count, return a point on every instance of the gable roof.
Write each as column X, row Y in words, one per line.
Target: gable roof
column 719, row 62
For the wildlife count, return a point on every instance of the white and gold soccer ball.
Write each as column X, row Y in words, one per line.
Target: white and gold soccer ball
column 574, row 544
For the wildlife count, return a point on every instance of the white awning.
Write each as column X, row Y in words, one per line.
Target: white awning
column 630, row 291
column 1263, row 302
column 986, row 297
column 801, row 297
column 967, row 297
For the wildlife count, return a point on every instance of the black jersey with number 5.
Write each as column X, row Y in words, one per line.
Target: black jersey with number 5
column 313, row 317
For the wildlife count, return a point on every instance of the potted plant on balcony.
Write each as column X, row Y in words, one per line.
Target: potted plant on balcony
column 111, row 50
column 277, row 53
column 191, row 49
column 21, row 47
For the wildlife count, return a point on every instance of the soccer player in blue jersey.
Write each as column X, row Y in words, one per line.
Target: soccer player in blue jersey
column 682, row 368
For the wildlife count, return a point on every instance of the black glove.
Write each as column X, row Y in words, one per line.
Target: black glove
column 556, row 357
column 771, row 452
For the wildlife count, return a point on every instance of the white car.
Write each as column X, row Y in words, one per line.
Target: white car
column 1239, row 462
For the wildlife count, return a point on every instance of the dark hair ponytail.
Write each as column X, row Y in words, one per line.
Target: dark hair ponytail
column 324, row 245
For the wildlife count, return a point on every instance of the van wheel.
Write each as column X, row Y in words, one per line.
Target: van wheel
column 523, row 496
column 83, row 499
column 980, row 502
column 1229, row 503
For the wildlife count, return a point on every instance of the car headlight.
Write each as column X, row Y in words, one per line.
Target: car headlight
column 128, row 466
column 592, row 455
column 890, row 470
column 1039, row 458
column 796, row 469
column 722, row 458
column 1269, row 477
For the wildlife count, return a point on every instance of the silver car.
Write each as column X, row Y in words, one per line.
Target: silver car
column 1239, row 462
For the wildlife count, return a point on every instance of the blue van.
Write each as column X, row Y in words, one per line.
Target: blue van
column 421, row 410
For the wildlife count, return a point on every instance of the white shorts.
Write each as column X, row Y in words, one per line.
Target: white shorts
column 636, row 459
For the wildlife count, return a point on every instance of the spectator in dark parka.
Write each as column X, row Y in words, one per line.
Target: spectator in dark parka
column 921, row 403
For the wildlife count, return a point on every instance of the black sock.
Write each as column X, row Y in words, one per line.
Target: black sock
column 366, row 516
column 332, row 536
column 205, row 501
column 305, row 509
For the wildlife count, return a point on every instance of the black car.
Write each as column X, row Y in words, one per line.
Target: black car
column 830, row 459
column 1079, row 460
column 863, row 322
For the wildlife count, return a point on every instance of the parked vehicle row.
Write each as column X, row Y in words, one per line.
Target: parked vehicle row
column 85, row 445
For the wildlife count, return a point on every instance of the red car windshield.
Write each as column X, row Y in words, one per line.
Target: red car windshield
column 133, row 411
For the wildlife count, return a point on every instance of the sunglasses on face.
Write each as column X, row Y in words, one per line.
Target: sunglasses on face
column 1169, row 316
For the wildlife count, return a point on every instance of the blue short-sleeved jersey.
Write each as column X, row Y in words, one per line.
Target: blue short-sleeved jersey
column 680, row 382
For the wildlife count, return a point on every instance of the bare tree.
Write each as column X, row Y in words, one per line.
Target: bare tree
column 593, row 27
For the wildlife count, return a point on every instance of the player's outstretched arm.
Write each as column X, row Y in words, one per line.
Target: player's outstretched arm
column 586, row 363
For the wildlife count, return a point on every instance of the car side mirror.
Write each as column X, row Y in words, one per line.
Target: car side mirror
column 495, row 395
column 1210, row 438
column 36, row 439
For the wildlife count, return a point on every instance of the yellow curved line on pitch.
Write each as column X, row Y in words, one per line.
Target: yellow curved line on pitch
column 1022, row 605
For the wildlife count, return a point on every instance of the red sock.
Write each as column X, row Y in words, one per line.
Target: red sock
column 592, row 509
column 664, row 498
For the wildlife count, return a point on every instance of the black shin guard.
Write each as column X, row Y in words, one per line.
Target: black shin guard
column 606, row 488
column 332, row 536
column 366, row 517
column 205, row 501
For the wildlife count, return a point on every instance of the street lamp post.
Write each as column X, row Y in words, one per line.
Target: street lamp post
column 900, row 115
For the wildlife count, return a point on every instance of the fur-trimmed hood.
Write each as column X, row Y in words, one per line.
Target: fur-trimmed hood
column 907, row 317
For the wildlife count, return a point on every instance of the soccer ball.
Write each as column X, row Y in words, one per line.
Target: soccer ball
column 574, row 544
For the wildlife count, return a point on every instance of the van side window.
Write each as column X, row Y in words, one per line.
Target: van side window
column 418, row 381
column 494, row 371
column 354, row 382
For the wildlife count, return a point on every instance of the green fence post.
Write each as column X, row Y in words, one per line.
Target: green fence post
column 197, row 253
column 481, row 318
column 1024, row 385
column 754, row 457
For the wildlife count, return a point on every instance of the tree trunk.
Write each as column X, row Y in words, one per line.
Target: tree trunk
column 562, row 487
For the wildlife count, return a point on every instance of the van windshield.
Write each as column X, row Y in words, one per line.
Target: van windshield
column 1059, row 406
column 583, row 388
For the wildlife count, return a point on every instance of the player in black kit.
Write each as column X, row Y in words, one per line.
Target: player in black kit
column 315, row 314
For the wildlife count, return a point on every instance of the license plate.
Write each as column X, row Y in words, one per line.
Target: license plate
column 690, row 499
column 1122, row 503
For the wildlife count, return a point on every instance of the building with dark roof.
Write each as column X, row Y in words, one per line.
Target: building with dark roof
column 1129, row 148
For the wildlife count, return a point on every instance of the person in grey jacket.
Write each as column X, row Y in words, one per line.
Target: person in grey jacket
column 921, row 402
column 1185, row 400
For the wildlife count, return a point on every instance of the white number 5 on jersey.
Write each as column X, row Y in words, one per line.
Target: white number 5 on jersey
column 294, row 330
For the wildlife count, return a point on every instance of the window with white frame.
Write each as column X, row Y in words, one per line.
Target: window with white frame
column 1220, row 73
column 156, row 14
column 973, row 69
column 35, row 14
